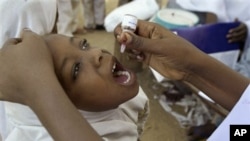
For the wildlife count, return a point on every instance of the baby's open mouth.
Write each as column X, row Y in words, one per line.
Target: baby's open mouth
column 120, row 74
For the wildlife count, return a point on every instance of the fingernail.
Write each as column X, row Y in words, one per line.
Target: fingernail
column 138, row 57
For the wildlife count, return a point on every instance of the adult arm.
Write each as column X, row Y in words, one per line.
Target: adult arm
column 178, row 59
column 27, row 77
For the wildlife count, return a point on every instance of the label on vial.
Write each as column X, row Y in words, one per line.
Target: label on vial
column 129, row 22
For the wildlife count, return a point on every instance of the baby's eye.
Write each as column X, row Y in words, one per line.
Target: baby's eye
column 84, row 44
column 75, row 70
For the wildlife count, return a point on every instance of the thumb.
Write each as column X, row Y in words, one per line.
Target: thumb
column 133, row 41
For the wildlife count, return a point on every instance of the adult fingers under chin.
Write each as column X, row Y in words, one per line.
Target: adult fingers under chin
column 141, row 58
column 137, row 57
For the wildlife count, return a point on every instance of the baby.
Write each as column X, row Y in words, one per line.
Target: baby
column 106, row 93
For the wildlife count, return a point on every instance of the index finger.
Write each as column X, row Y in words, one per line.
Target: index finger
column 145, row 29
column 150, row 30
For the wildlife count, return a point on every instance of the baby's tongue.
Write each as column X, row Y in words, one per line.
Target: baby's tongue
column 122, row 77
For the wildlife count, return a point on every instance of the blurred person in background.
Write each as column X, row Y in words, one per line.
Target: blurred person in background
column 94, row 13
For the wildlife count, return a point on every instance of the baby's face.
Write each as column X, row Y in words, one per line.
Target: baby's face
column 93, row 79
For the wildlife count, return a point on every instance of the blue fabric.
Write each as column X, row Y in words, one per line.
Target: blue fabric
column 210, row 38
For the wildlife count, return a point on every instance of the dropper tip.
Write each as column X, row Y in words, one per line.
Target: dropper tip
column 123, row 47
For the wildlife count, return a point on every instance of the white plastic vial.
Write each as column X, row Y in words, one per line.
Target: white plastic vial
column 129, row 23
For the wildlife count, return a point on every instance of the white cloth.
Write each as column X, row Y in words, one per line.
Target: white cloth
column 124, row 123
column 240, row 114
column 37, row 15
column 142, row 9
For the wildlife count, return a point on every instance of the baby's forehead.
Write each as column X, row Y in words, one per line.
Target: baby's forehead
column 56, row 39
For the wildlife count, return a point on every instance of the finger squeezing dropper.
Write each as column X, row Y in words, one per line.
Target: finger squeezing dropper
column 129, row 23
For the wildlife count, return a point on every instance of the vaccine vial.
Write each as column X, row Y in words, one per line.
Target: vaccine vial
column 129, row 23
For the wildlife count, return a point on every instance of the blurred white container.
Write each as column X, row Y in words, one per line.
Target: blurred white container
column 175, row 18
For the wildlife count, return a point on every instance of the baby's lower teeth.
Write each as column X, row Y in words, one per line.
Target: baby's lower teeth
column 124, row 73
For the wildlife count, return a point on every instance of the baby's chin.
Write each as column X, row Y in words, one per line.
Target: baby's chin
column 132, row 91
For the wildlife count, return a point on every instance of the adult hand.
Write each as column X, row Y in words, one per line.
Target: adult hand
column 177, row 59
column 25, row 65
column 161, row 49
column 237, row 34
